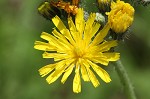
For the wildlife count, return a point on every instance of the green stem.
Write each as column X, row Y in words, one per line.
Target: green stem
column 128, row 88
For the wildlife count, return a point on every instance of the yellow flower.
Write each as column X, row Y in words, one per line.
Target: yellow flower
column 121, row 16
column 80, row 47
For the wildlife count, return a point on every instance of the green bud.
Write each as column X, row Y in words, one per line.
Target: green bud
column 104, row 5
column 48, row 11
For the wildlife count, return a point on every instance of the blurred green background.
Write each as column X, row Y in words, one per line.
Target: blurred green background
column 21, row 25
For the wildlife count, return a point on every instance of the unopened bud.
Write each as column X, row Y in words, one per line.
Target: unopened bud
column 48, row 11
column 104, row 5
column 121, row 16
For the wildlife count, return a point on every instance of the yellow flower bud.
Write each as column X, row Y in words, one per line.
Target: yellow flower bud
column 121, row 16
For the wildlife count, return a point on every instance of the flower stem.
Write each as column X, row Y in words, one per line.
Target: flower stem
column 128, row 88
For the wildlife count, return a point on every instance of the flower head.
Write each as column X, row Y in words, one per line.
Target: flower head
column 80, row 48
column 121, row 16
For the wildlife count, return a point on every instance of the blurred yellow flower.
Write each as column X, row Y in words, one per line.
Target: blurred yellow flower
column 80, row 47
column 121, row 16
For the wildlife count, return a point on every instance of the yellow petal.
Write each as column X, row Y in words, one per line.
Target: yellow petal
column 47, row 36
column 84, row 73
column 52, row 40
column 91, row 75
column 112, row 56
column 101, row 72
column 71, row 24
column 56, row 56
column 97, row 57
column 72, row 28
column 88, row 26
column 68, row 71
column 93, row 78
column 44, row 46
column 61, row 47
column 62, row 28
column 62, row 39
column 90, row 20
column 46, row 69
column 52, row 78
column 76, row 80
column 100, row 36
column 101, row 60
column 77, row 83
column 91, row 32
column 95, row 28
column 107, row 45
column 58, row 23
column 79, row 21
column 59, row 69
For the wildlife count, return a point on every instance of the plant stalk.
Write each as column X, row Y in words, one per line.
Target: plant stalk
column 128, row 88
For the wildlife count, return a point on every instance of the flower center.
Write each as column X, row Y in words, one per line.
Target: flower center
column 79, row 53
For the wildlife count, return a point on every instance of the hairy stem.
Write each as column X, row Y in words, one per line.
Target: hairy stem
column 128, row 88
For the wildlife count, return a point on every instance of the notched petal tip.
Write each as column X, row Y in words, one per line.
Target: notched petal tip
column 43, row 71
column 108, row 80
column 46, row 69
